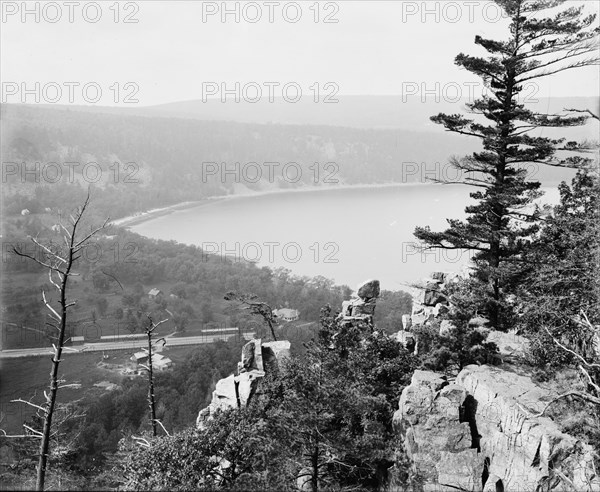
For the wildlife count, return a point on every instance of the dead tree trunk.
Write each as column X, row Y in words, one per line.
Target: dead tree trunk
column 151, row 386
column 149, row 368
column 59, row 261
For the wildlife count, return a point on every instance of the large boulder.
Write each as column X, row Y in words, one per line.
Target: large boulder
column 368, row 290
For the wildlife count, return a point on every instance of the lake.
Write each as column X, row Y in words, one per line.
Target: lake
column 348, row 235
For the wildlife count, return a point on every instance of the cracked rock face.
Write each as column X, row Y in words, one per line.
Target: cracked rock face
column 438, row 442
column 481, row 433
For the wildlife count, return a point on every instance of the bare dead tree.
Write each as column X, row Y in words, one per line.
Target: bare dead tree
column 59, row 260
column 151, row 399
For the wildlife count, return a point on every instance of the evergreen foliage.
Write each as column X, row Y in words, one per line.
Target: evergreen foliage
column 542, row 42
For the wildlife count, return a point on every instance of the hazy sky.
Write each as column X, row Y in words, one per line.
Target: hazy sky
column 176, row 46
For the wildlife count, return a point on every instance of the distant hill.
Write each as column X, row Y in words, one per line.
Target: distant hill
column 351, row 111
column 361, row 140
column 376, row 112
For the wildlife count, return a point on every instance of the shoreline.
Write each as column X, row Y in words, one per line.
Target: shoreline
column 140, row 217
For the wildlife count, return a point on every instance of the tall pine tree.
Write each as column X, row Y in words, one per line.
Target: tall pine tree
column 544, row 40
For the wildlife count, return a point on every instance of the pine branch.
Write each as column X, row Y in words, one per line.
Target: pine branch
column 573, row 110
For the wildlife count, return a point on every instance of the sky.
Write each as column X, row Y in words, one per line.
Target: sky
column 156, row 51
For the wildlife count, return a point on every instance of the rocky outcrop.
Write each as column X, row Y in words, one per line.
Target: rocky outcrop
column 429, row 300
column 481, row 433
column 429, row 303
column 236, row 391
column 258, row 359
column 360, row 309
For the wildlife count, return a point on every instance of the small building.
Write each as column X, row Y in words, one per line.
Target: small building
column 155, row 293
column 287, row 314
column 139, row 357
column 159, row 361
column 77, row 340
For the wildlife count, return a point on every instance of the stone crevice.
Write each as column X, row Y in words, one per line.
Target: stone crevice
column 473, row 435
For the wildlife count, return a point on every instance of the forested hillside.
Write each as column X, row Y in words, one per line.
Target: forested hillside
column 135, row 163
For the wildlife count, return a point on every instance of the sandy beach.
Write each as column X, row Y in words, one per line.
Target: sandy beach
column 140, row 217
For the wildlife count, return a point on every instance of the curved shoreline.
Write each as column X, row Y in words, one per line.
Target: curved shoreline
column 141, row 217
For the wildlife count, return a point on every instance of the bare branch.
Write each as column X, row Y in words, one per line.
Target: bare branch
column 66, row 231
column 163, row 427
column 19, row 436
column 589, row 364
column 58, row 316
column 32, row 430
column 49, row 251
column 45, row 265
column 78, row 245
column 20, row 400
column 587, row 374
column 577, row 394
column 141, row 441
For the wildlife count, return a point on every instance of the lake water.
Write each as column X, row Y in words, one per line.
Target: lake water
column 348, row 235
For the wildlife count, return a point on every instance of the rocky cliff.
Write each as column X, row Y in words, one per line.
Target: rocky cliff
column 481, row 432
